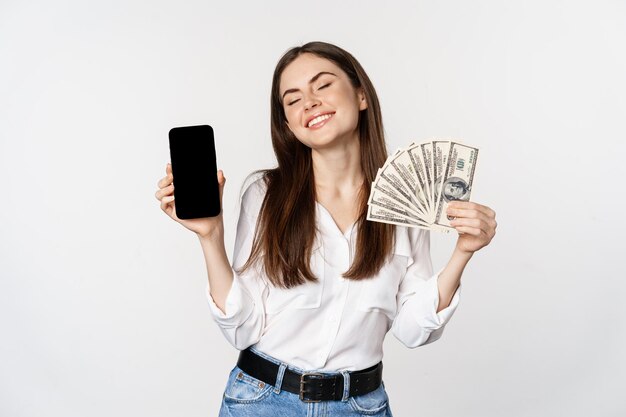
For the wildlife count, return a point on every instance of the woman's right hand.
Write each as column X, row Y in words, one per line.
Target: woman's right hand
column 203, row 227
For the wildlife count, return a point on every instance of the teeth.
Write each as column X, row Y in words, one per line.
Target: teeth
column 319, row 119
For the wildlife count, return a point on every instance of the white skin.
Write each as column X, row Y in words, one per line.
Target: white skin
column 338, row 175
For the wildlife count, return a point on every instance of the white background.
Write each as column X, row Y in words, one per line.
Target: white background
column 102, row 303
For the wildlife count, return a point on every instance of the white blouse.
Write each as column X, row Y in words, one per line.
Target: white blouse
column 335, row 324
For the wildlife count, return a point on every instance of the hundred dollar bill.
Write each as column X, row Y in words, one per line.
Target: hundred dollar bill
column 380, row 214
column 441, row 149
column 419, row 168
column 458, row 179
column 381, row 185
column 401, row 163
column 393, row 177
column 427, row 157
column 381, row 199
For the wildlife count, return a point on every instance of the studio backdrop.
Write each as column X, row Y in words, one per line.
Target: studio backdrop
column 103, row 310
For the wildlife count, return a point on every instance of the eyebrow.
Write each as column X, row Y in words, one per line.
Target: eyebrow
column 312, row 80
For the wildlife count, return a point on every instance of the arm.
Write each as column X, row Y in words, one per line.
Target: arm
column 236, row 300
column 236, row 304
column 426, row 302
column 450, row 277
column 433, row 301
column 476, row 225
column 420, row 318
column 210, row 231
column 218, row 268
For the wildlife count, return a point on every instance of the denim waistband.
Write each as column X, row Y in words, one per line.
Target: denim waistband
column 283, row 366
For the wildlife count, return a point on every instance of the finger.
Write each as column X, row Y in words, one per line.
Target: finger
column 468, row 230
column 470, row 205
column 221, row 180
column 165, row 203
column 164, row 192
column 165, row 181
column 474, row 223
column 168, row 168
column 167, row 190
column 467, row 213
column 473, row 214
column 488, row 211
column 477, row 224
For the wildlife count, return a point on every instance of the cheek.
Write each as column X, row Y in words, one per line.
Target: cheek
column 292, row 118
column 348, row 102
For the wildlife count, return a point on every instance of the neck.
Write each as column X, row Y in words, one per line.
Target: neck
column 338, row 168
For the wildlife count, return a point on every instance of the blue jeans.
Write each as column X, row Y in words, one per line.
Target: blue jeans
column 246, row 396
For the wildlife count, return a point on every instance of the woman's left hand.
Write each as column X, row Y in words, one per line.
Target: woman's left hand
column 475, row 223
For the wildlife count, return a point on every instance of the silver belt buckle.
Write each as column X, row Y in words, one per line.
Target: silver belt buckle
column 302, row 382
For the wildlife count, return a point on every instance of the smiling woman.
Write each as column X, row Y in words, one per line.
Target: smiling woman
column 314, row 287
column 328, row 138
column 328, row 98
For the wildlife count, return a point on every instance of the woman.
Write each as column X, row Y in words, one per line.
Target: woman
column 314, row 286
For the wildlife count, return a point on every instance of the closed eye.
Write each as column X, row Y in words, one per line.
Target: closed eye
column 295, row 101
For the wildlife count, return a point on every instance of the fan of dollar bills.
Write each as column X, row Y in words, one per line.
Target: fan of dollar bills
column 416, row 183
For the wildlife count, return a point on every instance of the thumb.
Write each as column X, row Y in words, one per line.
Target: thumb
column 221, row 180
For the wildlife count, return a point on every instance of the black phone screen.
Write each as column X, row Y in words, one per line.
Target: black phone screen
column 194, row 167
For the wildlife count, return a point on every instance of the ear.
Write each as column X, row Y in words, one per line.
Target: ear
column 362, row 100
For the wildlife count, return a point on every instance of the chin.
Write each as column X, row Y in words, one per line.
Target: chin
column 314, row 141
column 323, row 144
column 329, row 138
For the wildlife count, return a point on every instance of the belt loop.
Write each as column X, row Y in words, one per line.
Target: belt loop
column 346, row 385
column 279, row 378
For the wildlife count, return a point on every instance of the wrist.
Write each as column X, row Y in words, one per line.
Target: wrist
column 462, row 253
column 213, row 237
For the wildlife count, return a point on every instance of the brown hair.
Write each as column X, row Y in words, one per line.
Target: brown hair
column 285, row 229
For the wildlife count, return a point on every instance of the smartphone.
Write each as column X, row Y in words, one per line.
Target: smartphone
column 194, row 166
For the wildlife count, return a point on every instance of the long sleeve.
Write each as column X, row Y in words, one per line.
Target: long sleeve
column 417, row 322
column 244, row 320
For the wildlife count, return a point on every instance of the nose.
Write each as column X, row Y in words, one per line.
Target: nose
column 310, row 102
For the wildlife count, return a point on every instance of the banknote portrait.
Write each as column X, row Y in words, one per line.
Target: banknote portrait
column 455, row 189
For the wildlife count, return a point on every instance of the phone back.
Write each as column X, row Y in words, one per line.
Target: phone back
column 194, row 166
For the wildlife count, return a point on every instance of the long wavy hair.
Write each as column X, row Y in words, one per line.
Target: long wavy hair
column 286, row 229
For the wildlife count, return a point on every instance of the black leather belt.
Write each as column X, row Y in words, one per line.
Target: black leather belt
column 311, row 386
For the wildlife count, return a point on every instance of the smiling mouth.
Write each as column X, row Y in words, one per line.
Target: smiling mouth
column 320, row 120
